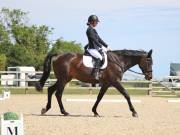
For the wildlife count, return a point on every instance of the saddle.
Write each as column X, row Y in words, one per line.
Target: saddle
column 89, row 60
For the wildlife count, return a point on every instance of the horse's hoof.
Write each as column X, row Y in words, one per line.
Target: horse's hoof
column 43, row 111
column 38, row 87
column 97, row 115
column 135, row 115
column 65, row 113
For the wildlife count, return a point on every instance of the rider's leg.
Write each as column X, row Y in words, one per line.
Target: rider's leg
column 97, row 55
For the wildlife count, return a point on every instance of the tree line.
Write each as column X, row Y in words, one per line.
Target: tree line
column 22, row 44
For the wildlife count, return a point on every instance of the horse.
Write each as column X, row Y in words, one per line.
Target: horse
column 67, row 66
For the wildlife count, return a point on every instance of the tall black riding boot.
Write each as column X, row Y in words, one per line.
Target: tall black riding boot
column 96, row 69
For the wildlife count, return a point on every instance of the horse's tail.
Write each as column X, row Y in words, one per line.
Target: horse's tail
column 46, row 72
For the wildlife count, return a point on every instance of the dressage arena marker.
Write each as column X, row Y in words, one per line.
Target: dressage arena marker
column 173, row 101
column 1, row 98
column 11, row 127
column 5, row 95
column 103, row 100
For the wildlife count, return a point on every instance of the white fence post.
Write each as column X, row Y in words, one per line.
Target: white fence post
column 150, row 88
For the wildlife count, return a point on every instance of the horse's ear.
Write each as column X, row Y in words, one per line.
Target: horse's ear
column 150, row 53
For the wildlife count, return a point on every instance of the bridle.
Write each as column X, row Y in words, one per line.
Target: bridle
column 148, row 64
column 145, row 72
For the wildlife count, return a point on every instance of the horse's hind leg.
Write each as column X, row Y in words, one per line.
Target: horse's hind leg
column 51, row 90
column 124, row 92
column 59, row 92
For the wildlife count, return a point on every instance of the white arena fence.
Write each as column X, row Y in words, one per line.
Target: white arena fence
column 26, row 82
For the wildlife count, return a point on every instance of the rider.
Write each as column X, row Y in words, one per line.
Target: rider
column 95, row 44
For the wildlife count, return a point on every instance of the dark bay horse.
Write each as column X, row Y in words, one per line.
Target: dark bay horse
column 69, row 65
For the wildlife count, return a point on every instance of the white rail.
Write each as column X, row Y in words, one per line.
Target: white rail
column 27, row 80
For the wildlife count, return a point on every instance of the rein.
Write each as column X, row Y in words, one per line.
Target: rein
column 135, row 72
column 128, row 69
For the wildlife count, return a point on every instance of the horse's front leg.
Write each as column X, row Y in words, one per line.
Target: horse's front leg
column 124, row 92
column 100, row 96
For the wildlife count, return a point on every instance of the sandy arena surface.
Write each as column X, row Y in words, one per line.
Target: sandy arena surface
column 156, row 116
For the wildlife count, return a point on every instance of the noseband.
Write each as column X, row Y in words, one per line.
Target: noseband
column 145, row 72
column 148, row 64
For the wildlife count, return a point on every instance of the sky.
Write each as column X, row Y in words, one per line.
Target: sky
column 129, row 24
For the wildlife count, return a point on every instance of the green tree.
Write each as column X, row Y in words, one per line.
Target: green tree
column 5, row 42
column 61, row 46
column 30, row 39
column 9, row 17
column 27, row 45
column 35, row 40
column 2, row 62
column 18, row 56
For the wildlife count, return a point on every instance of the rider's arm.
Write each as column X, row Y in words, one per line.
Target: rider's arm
column 91, row 35
column 102, row 42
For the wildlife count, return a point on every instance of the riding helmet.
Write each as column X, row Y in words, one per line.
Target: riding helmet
column 92, row 18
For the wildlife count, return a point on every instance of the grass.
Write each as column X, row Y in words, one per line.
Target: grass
column 168, row 95
column 134, row 88
column 78, row 91
column 94, row 91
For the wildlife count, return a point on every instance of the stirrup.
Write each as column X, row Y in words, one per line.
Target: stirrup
column 97, row 74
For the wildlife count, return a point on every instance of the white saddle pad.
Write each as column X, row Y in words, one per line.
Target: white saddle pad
column 89, row 62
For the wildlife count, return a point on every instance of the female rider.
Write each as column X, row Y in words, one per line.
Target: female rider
column 95, row 43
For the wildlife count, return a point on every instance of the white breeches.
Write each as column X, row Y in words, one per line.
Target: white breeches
column 95, row 53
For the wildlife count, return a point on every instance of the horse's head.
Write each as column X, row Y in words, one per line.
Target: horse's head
column 146, row 65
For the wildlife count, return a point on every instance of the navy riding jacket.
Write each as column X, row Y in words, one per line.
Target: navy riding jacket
column 95, row 42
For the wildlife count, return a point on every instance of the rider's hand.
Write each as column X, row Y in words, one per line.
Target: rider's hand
column 108, row 48
column 104, row 49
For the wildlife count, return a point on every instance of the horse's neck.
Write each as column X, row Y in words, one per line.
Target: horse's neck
column 125, row 62
column 130, row 61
